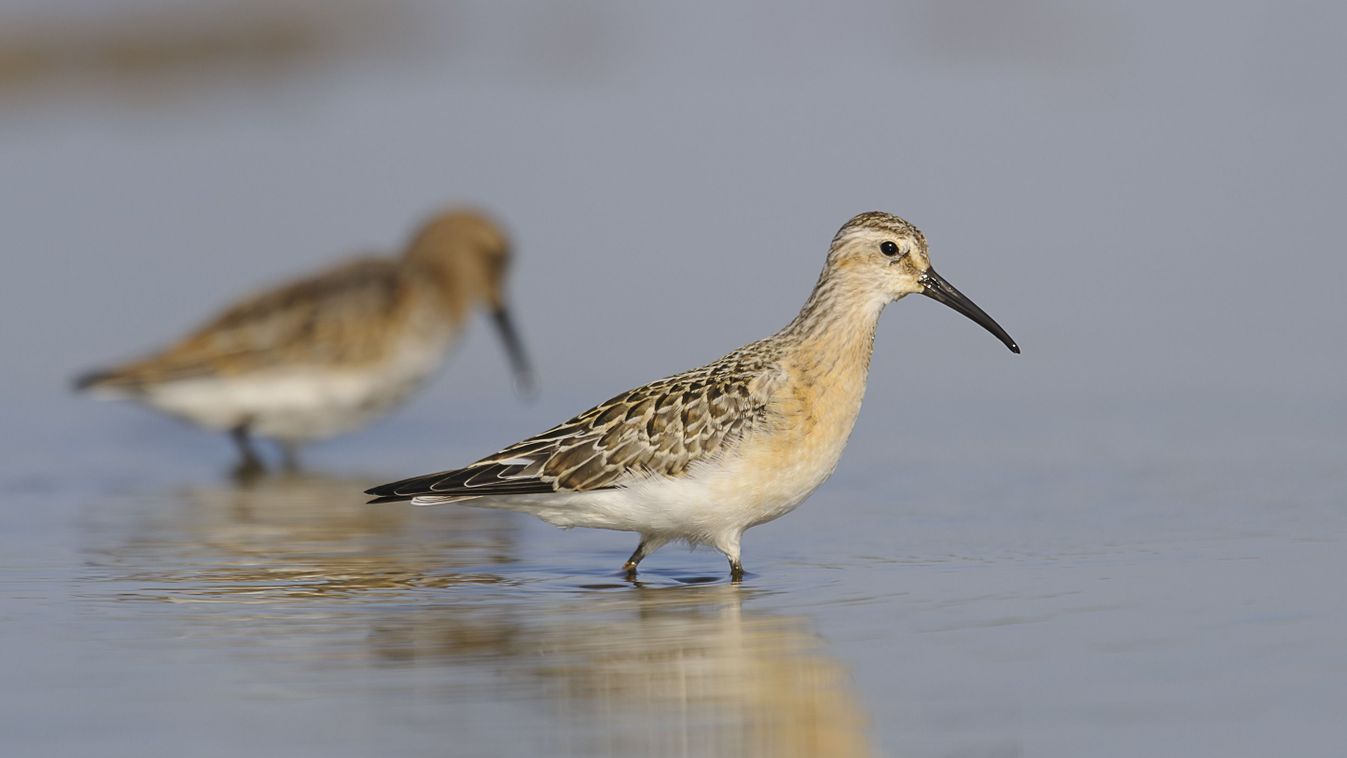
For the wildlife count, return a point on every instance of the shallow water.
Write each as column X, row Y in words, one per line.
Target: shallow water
column 1127, row 541
column 1014, row 606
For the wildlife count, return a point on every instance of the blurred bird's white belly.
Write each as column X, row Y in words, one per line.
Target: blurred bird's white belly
column 301, row 403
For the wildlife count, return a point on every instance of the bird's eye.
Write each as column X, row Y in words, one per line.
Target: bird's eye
column 889, row 248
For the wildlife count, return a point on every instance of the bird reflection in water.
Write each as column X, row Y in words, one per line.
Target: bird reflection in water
column 648, row 671
column 304, row 534
column 329, row 594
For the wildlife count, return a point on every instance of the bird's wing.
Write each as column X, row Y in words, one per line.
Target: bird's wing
column 333, row 317
column 659, row 429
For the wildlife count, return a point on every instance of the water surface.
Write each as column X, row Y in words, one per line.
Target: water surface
column 1127, row 541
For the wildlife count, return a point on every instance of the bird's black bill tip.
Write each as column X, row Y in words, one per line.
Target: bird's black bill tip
column 514, row 347
column 935, row 287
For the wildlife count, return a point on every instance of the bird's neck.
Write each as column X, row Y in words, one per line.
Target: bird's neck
column 834, row 333
column 825, row 357
column 445, row 286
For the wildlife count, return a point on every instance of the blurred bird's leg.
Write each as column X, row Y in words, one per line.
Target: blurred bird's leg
column 250, row 464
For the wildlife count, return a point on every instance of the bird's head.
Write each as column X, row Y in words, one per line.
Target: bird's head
column 466, row 256
column 880, row 257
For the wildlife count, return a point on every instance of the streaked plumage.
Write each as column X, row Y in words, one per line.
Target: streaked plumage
column 706, row 454
column 329, row 352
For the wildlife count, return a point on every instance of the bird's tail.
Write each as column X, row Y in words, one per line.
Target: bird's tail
column 423, row 499
column 103, row 379
column 416, row 490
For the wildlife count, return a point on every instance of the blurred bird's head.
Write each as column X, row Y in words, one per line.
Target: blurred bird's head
column 466, row 256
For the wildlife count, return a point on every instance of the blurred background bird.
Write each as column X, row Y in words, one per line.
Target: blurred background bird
column 327, row 353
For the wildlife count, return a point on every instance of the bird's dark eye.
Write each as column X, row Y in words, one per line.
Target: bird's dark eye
column 888, row 247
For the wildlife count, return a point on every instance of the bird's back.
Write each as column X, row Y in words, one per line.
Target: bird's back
column 308, row 360
column 660, row 429
column 338, row 317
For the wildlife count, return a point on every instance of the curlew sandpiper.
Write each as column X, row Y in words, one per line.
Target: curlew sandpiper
column 704, row 455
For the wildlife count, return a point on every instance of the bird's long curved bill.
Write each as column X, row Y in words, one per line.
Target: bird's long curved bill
column 523, row 371
column 935, row 287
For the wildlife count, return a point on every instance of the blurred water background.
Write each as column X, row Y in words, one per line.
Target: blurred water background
column 1127, row 541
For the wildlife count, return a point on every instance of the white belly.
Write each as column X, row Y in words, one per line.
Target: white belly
column 710, row 503
column 298, row 404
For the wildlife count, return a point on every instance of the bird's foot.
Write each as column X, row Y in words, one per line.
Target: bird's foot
column 736, row 572
column 629, row 570
column 248, row 470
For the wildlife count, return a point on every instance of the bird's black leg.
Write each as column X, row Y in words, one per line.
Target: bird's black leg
column 249, row 462
column 637, row 555
column 736, row 571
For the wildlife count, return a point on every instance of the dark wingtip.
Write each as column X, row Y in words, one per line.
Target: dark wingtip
column 387, row 493
column 1014, row 348
column 90, row 379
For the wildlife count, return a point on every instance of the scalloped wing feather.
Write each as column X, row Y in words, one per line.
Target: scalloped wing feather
column 660, row 429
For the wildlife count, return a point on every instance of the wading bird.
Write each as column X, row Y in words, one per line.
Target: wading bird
column 704, row 455
column 327, row 353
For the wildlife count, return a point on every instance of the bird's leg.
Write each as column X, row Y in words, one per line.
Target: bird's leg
column 648, row 545
column 736, row 571
column 249, row 462
column 729, row 545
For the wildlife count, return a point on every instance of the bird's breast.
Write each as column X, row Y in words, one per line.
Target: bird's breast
column 808, row 424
